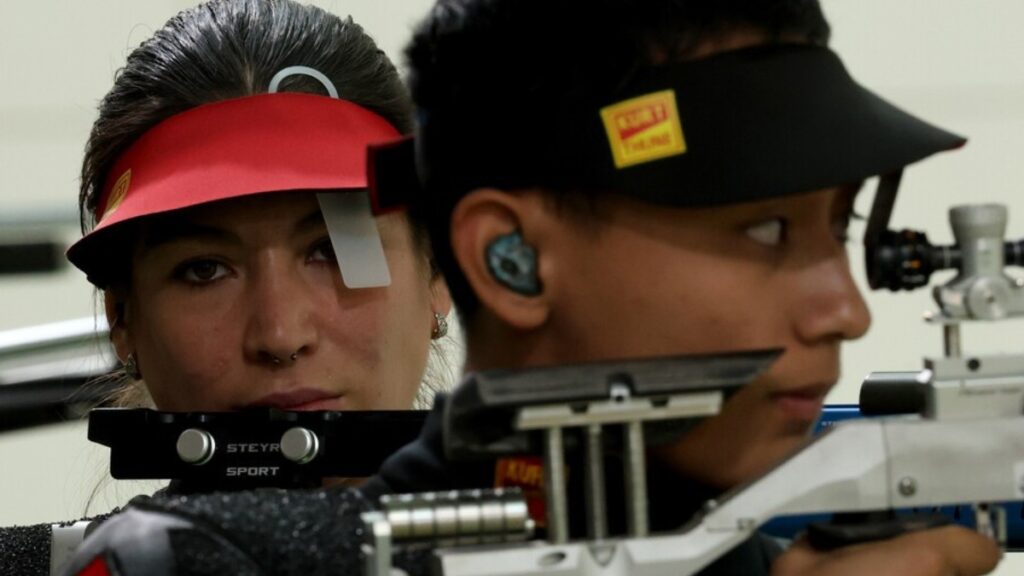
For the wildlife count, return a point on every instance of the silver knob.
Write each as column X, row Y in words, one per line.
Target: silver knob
column 300, row 445
column 908, row 486
column 196, row 446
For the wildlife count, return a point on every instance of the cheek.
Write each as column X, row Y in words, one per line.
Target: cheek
column 186, row 353
column 411, row 324
column 385, row 336
column 716, row 305
column 676, row 302
column 374, row 321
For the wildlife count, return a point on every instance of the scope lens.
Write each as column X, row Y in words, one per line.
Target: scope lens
column 905, row 260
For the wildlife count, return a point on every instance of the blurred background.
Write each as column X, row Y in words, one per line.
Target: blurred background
column 953, row 63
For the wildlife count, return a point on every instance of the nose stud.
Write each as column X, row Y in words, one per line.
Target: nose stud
column 276, row 361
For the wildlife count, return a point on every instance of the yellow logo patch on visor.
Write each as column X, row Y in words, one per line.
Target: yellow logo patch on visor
column 644, row 128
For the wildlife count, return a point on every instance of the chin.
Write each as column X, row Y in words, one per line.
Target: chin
column 742, row 443
column 763, row 451
column 765, row 457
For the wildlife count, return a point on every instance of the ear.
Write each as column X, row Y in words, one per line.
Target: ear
column 120, row 337
column 478, row 219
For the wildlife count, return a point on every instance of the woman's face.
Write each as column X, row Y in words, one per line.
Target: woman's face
column 222, row 297
column 656, row 281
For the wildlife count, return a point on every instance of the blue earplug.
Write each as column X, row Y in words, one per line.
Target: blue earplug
column 513, row 263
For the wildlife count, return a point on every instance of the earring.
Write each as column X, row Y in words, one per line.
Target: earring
column 440, row 327
column 513, row 263
column 131, row 367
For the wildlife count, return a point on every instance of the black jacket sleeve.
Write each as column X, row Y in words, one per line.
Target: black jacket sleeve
column 421, row 466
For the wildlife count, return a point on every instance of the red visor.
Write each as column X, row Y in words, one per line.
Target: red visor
column 251, row 145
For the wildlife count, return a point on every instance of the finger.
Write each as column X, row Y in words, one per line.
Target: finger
column 966, row 552
column 945, row 551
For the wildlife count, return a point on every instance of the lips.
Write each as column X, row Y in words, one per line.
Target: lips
column 802, row 403
column 297, row 400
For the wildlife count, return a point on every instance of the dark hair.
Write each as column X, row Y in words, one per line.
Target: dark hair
column 231, row 48
column 485, row 58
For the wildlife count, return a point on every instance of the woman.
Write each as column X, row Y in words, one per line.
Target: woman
column 227, row 225
column 220, row 281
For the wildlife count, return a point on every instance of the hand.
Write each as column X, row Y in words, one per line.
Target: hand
column 946, row 551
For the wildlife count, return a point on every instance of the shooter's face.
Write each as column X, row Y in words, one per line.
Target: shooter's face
column 656, row 281
column 240, row 303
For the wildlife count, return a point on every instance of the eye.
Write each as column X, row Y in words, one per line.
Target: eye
column 323, row 251
column 201, row 271
column 770, row 232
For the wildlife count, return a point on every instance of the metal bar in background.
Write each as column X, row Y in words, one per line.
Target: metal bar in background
column 44, row 369
column 65, row 215
column 33, row 241
column 31, row 257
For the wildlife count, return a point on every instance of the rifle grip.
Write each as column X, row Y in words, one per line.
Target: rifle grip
column 847, row 529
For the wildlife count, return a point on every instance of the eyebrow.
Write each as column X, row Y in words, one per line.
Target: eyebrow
column 848, row 194
column 312, row 220
column 165, row 232
column 168, row 230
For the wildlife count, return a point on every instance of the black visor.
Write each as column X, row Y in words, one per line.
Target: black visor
column 738, row 126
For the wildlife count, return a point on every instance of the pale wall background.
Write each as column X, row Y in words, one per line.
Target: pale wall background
column 954, row 62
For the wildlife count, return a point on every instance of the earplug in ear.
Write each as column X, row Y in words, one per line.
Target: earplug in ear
column 513, row 264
